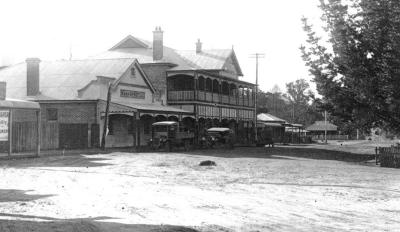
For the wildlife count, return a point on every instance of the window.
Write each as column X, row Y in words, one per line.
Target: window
column 133, row 72
column 52, row 114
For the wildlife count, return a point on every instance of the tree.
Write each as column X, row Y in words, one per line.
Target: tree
column 300, row 95
column 298, row 99
column 358, row 74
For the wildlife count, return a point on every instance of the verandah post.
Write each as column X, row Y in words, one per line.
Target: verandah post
column 10, row 132
column 38, row 132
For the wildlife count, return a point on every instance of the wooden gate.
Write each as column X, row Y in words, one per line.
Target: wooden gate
column 73, row 136
column 24, row 136
column 49, row 136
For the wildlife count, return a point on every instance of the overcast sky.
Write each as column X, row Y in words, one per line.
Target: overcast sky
column 48, row 28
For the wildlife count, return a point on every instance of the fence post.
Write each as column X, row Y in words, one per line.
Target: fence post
column 376, row 155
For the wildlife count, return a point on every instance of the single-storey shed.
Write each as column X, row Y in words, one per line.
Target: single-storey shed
column 19, row 127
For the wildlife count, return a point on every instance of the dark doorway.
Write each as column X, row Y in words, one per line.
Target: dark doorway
column 73, row 136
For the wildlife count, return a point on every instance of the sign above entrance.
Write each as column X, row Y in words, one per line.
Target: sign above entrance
column 4, row 115
column 132, row 94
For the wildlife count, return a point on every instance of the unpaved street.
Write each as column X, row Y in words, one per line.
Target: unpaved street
column 248, row 190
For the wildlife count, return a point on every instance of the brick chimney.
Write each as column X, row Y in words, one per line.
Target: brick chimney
column 32, row 76
column 3, row 90
column 158, row 45
column 198, row 46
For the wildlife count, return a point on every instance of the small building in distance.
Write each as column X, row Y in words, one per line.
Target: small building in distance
column 318, row 128
column 270, row 127
column 317, row 131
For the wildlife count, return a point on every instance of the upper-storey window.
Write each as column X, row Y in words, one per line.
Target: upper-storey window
column 52, row 114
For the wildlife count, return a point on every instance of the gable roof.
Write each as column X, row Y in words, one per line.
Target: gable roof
column 61, row 80
column 320, row 126
column 131, row 42
column 145, row 77
column 133, row 47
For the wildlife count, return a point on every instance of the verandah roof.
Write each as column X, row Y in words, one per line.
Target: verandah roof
column 123, row 107
column 19, row 104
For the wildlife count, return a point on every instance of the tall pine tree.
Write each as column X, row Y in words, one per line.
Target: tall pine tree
column 358, row 74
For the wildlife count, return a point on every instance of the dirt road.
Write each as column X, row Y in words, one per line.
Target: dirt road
column 248, row 190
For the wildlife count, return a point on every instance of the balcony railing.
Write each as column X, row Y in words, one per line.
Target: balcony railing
column 181, row 95
column 208, row 96
column 225, row 99
column 189, row 95
column 215, row 97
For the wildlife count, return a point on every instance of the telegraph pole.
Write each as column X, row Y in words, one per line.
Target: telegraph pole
column 256, row 56
column 326, row 141
column 105, row 126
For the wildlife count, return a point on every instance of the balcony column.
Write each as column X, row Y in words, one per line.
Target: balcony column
column 237, row 95
column 243, row 96
column 204, row 89
column 212, row 90
column 248, row 96
column 229, row 93
column 195, row 85
column 220, row 91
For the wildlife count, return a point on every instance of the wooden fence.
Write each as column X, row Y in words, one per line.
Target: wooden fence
column 329, row 137
column 24, row 136
column 388, row 156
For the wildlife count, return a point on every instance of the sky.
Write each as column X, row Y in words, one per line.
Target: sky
column 52, row 29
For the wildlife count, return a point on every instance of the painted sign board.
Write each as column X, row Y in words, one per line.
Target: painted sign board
column 4, row 115
column 132, row 94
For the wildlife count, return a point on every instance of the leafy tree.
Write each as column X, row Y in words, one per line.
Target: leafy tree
column 358, row 74
column 300, row 96
column 298, row 100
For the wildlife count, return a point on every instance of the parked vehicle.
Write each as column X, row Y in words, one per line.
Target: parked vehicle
column 168, row 134
column 220, row 136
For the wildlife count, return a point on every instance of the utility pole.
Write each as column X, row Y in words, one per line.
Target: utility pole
column 326, row 141
column 257, row 56
column 105, row 127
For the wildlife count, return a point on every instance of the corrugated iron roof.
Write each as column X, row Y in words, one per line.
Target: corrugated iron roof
column 19, row 104
column 264, row 117
column 212, row 59
column 62, row 79
column 320, row 126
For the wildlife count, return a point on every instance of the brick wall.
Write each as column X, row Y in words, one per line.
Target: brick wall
column 71, row 112
column 158, row 77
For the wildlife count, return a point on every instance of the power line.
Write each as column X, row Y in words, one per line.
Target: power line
column 256, row 56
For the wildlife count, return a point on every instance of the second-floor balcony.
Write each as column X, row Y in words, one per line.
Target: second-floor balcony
column 183, row 88
column 203, row 96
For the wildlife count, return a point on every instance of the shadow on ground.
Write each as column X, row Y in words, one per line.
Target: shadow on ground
column 284, row 152
column 19, row 222
column 56, row 161
column 11, row 195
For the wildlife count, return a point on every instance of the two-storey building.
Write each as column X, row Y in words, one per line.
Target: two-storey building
column 202, row 81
